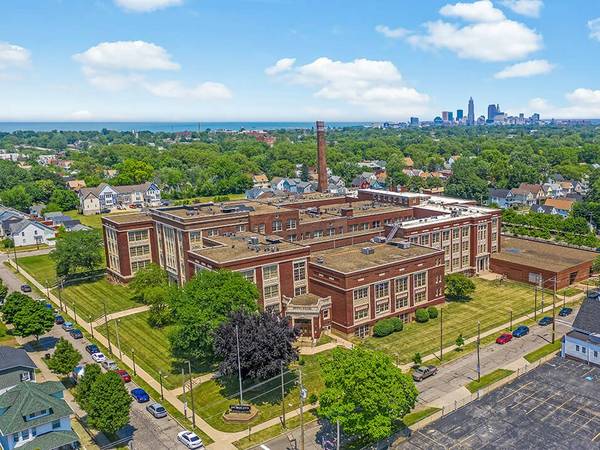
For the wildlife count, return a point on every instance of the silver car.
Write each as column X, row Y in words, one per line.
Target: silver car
column 157, row 410
column 109, row 364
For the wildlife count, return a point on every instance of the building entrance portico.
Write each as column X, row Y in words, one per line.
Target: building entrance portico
column 482, row 264
column 309, row 312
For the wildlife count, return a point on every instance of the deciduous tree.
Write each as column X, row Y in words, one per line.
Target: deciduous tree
column 108, row 403
column 33, row 319
column 459, row 286
column 85, row 384
column 13, row 303
column 77, row 251
column 65, row 358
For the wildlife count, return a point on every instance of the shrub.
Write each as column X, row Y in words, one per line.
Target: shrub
column 387, row 326
column 417, row 360
column 432, row 311
column 421, row 315
column 312, row 398
column 398, row 324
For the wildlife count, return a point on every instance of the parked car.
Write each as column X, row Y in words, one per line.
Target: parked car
column 25, row 288
column 92, row 348
column 190, row 439
column 132, row 206
column 77, row 373
column 520, row 331
column 140, row 395
column 49, row 306
column 504, row 338
column 105, row 211
column 59, row 320
column 422, row 372
column 67, row 326
column 157, row 410
column 125, row 377
column 98, row 357
column 109, row 364
column 565, row 311
column 76, row 333
column 545, row 321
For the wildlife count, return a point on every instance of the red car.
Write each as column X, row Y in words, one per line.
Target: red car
column 124, row 375
column 504, row 338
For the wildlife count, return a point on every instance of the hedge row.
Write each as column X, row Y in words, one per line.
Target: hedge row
column 387, row 326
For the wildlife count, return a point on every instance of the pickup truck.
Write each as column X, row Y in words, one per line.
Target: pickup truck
column 422, row 372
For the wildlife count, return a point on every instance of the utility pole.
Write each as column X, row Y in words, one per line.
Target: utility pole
column 161, row 385
column 16, row 259
column 441, row 333
column 60, row 293
column 543, row 296
column 184, row 397
column 478, row 344
column 301, row 410
column 554, row 312
column 535, row 303
column 47, row 290
column 192, row 394
column 282, row 398
column 91, row 326
column 118, row 340
column 74, row 312
column 108, row 330
column 511, row 319
column 133, row 360
column 237, row 339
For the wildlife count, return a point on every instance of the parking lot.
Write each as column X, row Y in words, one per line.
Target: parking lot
column 555, row 406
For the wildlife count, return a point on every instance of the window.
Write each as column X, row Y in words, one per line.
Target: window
column 382, row 307
column 376, row 224
column 240, row 228
column 465, row 246
column 401, row 284
column 137, row 265
column 318, row 233
column 299, row 290
column 139, row 250
column 455, row 263
column 420, row 279
column 361, row 313
column 583, row 350
column 401, row 302
column 382, row 290
column 299, row 271
column 291, row 224
column 273, row 309
column 435, row 238
column 446, row 235
column 270, row 273
column 465, row 231
column 330, row 231
column 271, row 291
column 261, row 228
column 140, row 235
column 465, row 260
column 425, row 239
column 362, row 331
column 405, row 318
column 595, row 353
column 420, row 297
column 414, row 239
column 577, row 348
column 25, row 376
column 212, row 232
column 248, row 274
column 56, row 424
column 361, row 294
column 326, row 313
column 277, row 226
column 455, row 248
column 455, row 233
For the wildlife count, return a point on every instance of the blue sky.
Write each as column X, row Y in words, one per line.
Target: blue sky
column 212, row 60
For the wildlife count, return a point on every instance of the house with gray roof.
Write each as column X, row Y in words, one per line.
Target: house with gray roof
column 102, row 197
column 583, row 341
column 36, row 416
column 24, row 232
column 15, row 367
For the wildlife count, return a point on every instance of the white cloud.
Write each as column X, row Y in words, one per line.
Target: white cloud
column 175, row 89
column 582, row 103
column 130, row 55
column 13, row 57
column 480, row 11
column 375, row 86
column 392, row 33
column 147, row 5
column 283, row 65
column 83, row 114
column 530, row 8
column 526, row 69
column 594, row 27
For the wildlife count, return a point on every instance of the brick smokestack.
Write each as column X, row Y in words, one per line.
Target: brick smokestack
column 321, row 157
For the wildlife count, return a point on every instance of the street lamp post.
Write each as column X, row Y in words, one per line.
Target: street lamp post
column 161, row 384
column 441, row 333
column 108, row 333
column 535, row 303
column 74, row 312
column 511, row 318
column 192, row 394
column 282, row 398
column 133, row 360
column 118, row 340
column 91, row 327
column 237, row 339
column 478, row 357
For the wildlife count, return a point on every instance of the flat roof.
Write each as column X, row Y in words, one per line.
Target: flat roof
column 287, row 198
column 350, row 258
column 210, row 209
column 122, row 218
column 236, row 246
column 541, row 255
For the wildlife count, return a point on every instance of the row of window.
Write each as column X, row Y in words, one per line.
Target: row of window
column 31, row 433
column 382, row 289
column 362, row 312
column 139, row 250
column 583, row 350
column 138, row 235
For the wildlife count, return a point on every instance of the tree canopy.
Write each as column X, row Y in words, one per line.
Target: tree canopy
column 108, row 403
column 77, row 251
column 65, row 358
column 459, row 286
column 33, row 319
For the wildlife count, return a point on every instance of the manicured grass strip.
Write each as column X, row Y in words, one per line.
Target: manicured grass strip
column 488, row 379
column 212, row 398
column 151, row 347
column 416, row 416
column 41, row 267
column 543, row 351
column 490, row 304
column 24, row 248
column 273, row 431
column 569, row 291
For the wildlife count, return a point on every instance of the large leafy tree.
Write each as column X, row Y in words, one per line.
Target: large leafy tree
column 459, row 286
column 266, row 342
column 65, row 357
column 365, row 392
column 133, row 171
column 202, row 305
column 13, row 304
column 85, row 384
column 3, row 292
column 150, row 286
column 77, row 251
column 33, row 319
column 108, row 403
column 17, row 197
column 63, row 200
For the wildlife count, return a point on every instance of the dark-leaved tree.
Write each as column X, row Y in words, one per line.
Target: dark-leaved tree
column 266, row 342
column 33, row 319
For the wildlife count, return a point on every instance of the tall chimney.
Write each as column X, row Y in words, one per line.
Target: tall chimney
column 321, row 157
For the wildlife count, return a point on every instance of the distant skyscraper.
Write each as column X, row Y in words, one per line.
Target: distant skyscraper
column 492, row 111
column 459, row 114
column 414, row 121
column 450, row 116
column 445, row 116
column 471, row 113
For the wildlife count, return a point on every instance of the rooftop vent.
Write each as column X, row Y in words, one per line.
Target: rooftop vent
column 273, row 240
column 367, row 250
column 320, row 260
column 378, row 240
column 253, row 240
column 400, row 244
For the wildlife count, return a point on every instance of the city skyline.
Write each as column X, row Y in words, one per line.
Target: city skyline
column 265, row 60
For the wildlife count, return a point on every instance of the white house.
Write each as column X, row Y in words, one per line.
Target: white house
column 28, row 232
column 583, row 341
column 95, row 200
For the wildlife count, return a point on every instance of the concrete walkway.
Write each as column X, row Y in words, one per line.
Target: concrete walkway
column 119, row 314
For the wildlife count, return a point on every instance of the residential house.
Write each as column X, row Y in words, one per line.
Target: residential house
column 260, row 181
column 567, row 186
column 336, row 185
column 408, row 162
column 105, row 197
column 256, row 193
column 304, row 187
column 543, row 209
column 64, row 164
column 25, row 232
column 36, row 416
column 67, row 222
column 110, row 173
column 500, row 197
column 76, row 185
column 46, row 160
column 147, row 194
column 362, row 181
column 14, row 157
column 15, row 367
column 36, row 210
column 583, row 341
column 563, row 206
column 552, row 190
column 536, row 190
column 373, row 165
column 522, row 197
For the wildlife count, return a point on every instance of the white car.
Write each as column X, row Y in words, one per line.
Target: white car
column 190, row 440
column 109, row 364
column 98, row 357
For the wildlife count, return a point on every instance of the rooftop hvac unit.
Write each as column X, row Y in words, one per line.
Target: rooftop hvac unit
column 400, row 244
column 253, row 240
column 378, row 240
column 273, row 240
column 367, row 250
column 320, row 260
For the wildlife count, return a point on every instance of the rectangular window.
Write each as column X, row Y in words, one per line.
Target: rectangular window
column 465, row 231
column 362, row 331
column 137, row 265
column 291, row 224
column 326, row 313
column 140, row 235
column 401, row 302
column 382, row 290
column 382, row 307
column 420, row 297
column 455, row 248
column 318, row 233
column 361, row 313
column 435, row 238
column 261, row 228
column 414, row 239
column 446, row 235
column 277, row 225
column 248, row 274
column 330, row 231
column 465, row 261
column 420, row 279
column 425, row 239
column 139, row 250
column 299, row 290
column 270, row 273
column 465, row 246
column 455, row 233
column 376, row 224
column 401, row 284
column 56, row 424
column 271, row 291
column 361, row 294
column 299, row 271
column 240, row 228
column 455, row 263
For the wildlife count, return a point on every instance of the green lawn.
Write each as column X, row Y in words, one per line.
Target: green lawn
column 543, row 351
column 151, row 347
column 490, row 304
column 41, row 267
column 23, row 248
column 213, row 397
column 488, row 379
column 569, row 291
column 95, row 220
column 416, row 416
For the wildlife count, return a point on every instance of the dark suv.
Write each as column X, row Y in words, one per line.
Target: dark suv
column 422, row 372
